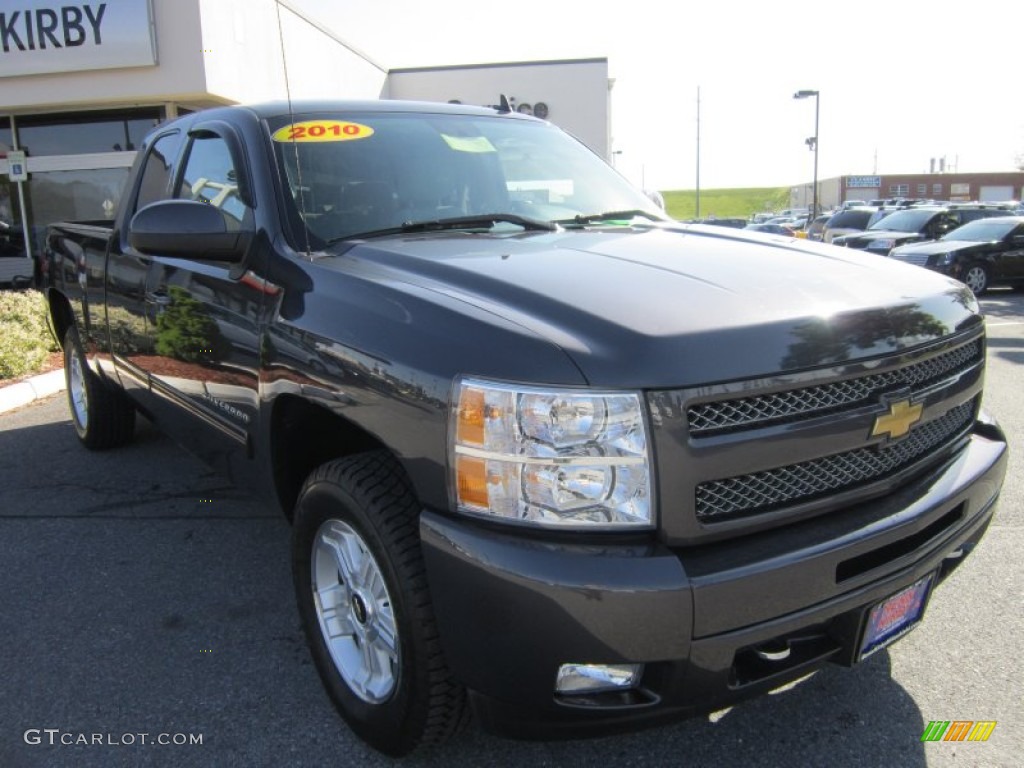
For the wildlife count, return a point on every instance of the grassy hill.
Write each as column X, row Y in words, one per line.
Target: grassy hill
column 725, row 203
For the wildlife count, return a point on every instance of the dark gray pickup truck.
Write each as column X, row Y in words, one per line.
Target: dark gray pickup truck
column 548, row 455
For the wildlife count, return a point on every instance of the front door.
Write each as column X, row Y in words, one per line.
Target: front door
column 203, row 318
column 199, row 352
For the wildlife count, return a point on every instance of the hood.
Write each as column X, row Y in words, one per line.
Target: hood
column 678, row 306
column 930, row 247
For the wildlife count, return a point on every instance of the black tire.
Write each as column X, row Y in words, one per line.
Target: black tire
column 976, row 277
column 364, row 506
column 103, row 416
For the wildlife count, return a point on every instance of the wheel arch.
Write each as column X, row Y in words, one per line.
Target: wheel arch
column 60, row 316
column 304, row 435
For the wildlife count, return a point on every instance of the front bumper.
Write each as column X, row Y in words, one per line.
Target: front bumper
column 511, row 609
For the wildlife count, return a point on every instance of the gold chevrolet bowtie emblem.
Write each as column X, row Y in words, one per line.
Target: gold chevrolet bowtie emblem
column 898, row 421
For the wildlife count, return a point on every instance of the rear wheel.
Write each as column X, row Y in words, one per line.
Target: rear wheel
column 976, row 277
column 362, row 595
column 104, row 417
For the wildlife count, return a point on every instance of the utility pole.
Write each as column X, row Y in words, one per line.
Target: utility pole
column 812, row 144
column 698, row 152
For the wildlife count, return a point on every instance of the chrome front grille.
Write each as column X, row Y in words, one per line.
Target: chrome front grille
column 786, row 486
column 706, row 419
column 917, row 259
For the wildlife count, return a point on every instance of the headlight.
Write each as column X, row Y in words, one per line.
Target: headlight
column 877, row 245
column 551, row 457
column 944, row 259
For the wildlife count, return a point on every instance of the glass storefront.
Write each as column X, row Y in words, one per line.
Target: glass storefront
column 85, row 186
column 12, row 242
column 85, row 132
column 6, row 136
column 86, row 195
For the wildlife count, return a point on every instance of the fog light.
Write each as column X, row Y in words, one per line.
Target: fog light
column 593, row 678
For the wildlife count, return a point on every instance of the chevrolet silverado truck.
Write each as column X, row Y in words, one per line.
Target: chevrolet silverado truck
column 549, row 457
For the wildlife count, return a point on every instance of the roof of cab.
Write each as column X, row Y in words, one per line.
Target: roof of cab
column 281, row 108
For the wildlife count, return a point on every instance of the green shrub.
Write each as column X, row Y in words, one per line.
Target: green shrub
column 25, row 341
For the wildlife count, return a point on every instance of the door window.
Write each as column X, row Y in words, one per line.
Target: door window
column 210, row 177
column 155, row 183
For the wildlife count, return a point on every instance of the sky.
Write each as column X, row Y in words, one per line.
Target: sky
column 899, row 82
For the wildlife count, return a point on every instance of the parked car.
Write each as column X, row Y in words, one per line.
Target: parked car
column 771, row 229
column 735, row 223
column 816, row 229
column 912, row 225
column 15, row 269
column 982, row 253
column 786, row 213
column 847, row 222
column 797, row 221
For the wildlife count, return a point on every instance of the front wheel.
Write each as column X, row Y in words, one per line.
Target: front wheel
column 104, row 417
column 976, row 278
column 362, row 596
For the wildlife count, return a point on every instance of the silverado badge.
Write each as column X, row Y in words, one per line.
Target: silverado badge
column 898, row 420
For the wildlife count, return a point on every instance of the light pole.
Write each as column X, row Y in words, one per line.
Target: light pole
column 812, row 143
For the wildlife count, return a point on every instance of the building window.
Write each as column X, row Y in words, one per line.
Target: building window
column 922, row 190
column 899, row 190
column 6, row 137
column 86, row 132
column 936, row 190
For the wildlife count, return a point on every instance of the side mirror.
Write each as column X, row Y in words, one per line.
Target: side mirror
column 187, row 229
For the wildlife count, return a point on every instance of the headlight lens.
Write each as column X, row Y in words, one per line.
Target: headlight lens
column 944, row 259
column 880, row 244
column 551, row 458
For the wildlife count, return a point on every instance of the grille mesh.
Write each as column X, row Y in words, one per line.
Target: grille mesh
column 750, row 412
column 918, row 259
column 764, row 491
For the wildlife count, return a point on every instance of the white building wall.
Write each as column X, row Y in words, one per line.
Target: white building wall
column 242, row 49
column 575, row 91
column 320, row 66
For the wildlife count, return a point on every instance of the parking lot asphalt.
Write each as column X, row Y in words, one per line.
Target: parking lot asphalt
column 143, row 594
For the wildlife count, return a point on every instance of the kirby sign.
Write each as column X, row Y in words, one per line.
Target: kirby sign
column 43, row 36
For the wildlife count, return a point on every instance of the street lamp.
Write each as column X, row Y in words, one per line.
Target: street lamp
column 812, row 144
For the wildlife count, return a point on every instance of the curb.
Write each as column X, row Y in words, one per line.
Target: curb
column 25, row 392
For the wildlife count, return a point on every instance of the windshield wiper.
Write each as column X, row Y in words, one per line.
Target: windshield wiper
column 610, row 216
column 455, row 222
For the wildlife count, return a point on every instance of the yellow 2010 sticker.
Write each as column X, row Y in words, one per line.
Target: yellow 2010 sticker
column 323, row 130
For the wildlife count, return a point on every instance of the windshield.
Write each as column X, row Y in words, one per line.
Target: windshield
column 983, row 230
column 905, row 221
column 352, row 174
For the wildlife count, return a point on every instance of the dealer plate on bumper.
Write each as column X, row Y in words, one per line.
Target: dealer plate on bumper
column 894, row 617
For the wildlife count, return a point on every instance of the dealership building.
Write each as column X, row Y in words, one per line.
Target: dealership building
column 954, row 187
column 81, row 83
